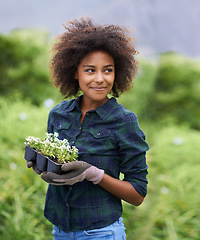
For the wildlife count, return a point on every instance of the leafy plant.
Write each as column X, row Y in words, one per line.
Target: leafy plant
column 58, row 150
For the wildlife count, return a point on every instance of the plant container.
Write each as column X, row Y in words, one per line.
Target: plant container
column 54, row 167
column 30, row 154
column 42, row 162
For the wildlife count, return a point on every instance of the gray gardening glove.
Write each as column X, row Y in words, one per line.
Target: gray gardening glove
column 74, row 172
column 33, row 165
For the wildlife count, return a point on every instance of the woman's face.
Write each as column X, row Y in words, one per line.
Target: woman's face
column 96, row 74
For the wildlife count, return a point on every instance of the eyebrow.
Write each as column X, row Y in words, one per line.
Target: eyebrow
column 92, row 66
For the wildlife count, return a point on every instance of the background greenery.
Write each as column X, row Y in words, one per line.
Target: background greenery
column 166, row 99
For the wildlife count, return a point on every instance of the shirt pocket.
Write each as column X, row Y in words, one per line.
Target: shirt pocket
column 63, row 129
column 100, row 134
column 100, row 141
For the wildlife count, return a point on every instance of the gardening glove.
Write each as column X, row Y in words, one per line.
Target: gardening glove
column 30, row 164
column 74, row 172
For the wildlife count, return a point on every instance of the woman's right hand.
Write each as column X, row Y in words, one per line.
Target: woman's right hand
column 33, row 165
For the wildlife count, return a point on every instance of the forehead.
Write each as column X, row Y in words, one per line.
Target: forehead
column 97, row 57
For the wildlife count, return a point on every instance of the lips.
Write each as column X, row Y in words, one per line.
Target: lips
column 98, row 88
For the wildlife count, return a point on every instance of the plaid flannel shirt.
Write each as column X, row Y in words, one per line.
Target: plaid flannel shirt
column 109, row 138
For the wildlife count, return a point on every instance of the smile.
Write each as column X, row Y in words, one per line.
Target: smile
column 98, row 89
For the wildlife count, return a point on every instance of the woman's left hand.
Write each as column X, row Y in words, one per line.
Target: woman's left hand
column 74, row 172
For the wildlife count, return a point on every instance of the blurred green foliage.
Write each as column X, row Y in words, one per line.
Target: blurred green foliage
column 167, row 91
column 165, row 98
column 138, row 97
column 176, row 91
column 22, row 193
column 24, row 66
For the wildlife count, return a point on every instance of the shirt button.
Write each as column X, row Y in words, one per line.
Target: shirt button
column 80, row 128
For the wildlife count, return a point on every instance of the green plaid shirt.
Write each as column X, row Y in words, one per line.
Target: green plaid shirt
column 109, row 138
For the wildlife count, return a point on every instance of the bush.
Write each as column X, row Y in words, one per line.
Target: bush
column 176, row 91
column 24, row 66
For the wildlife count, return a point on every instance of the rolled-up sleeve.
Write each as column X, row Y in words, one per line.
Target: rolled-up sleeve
column 132, row 148
column 49, row 124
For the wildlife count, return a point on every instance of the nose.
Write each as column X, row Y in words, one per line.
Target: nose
column 99, row 77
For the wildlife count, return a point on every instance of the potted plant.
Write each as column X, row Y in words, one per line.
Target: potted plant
column 51, row 152
column 62, row 155
column 32, row 144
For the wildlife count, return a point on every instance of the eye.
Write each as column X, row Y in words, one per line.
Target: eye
column 89, row 70
column 108, row 70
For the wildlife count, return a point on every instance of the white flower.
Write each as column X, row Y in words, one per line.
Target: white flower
column 13, row 165
column 178, row 141
column 56, row 134
column 22, row 116
column 49, row 103
column 164, row 190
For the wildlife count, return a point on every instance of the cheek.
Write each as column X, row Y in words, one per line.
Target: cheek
column 112, row 80
column 83, row 84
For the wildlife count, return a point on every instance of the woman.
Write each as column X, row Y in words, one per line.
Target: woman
column 85, row 201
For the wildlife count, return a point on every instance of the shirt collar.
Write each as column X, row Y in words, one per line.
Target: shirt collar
column 107, row 108
column 103, row 111
column 74, row 104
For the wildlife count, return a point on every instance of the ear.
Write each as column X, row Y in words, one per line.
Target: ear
column 76, row 75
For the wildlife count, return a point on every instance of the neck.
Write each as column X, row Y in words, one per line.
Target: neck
column 87, row 105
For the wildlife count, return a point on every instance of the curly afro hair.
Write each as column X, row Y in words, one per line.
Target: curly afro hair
column 83, row 37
